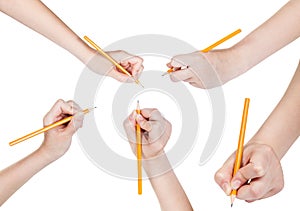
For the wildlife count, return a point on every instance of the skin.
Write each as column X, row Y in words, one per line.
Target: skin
column 56, row 143
column 208, row 70
column 46, row 23
column 262, row 154
column 155, row 134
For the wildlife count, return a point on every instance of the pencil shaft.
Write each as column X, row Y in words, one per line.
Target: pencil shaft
column 213, row 46
column 44, row 129
column 240, row 148
column 139, row 152
column 107, row 56
column 239, row 152
column 221, row 41
column 139, row 158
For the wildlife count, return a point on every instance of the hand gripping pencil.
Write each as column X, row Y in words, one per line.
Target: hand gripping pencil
column 46, row 128
column 114, row 62
column 211, row 46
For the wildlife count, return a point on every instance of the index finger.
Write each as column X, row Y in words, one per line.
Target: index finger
column 181, row 75
column 151, row 113
column 59, row 108
column 224, row 175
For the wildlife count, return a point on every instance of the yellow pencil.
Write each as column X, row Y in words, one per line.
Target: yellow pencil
column 114, row 62
column 212, row 46
column 139, row 151
column 46, row 128
column 240, row 148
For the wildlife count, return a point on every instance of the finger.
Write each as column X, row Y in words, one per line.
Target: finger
column 250, row 171
column 73, row 125
column 169, row 65
column 78, row 119
column 224, row 175
column 151, row 114
column 177, row 61
column 59, row 108
column 146, row 125
column 119, row 76
column 135, row 63
column 198, row 85
column 160, row 131
column 271, row 193
column 181, row 75
column 254, row 191
column 136, row 71
column 75, row 107
column 189, row 80
column 139, row 72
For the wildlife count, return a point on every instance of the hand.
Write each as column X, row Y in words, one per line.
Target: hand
column 101, row 65
column 206, row 70
column 58, row 140
column 156, row 131
column 260, row 165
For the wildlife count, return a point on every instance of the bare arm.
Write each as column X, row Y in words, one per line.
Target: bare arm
column 37, row 16
column 282, row 127
column 262, row 154
column 214, row 68
column 57, row 141
column 281, row 29
column 169, row 192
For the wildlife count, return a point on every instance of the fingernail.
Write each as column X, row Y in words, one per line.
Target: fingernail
column 226, row 188
column 236, row 184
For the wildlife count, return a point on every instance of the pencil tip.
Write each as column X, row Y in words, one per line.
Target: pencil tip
column 231, row 205
column 141, row 85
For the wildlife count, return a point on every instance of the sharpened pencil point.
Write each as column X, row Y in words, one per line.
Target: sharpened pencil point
column 231, row 205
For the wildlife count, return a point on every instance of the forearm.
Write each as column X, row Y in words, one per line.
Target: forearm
column 16, row 175
column 168, row 190
column 281, row 29
column 35, row 15
column 282, row 127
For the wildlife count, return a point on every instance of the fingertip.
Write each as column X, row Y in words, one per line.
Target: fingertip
column 173, row 77
column 169, row 65
column 226, row 188
column 235, row 184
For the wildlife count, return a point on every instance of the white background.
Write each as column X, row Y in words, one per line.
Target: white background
column 35, row 73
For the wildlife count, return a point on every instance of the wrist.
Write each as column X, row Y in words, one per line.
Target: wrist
column 228, row 63
column 261, row 139
column 44, row 156
column 47, row 155
column 87, row 54
column 157, row 166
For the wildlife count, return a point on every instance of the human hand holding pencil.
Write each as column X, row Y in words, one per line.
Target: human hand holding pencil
column 120, row 65
column 260, row 165
column 203, row 69
column 156, row 131
column 56, row 142
column 250, row 173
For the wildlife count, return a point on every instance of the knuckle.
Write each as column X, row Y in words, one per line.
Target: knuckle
column 60, row 101
column 219, row 177
column 255, row 192
column 173, row 78
column 259, row 170
column 126, row 123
